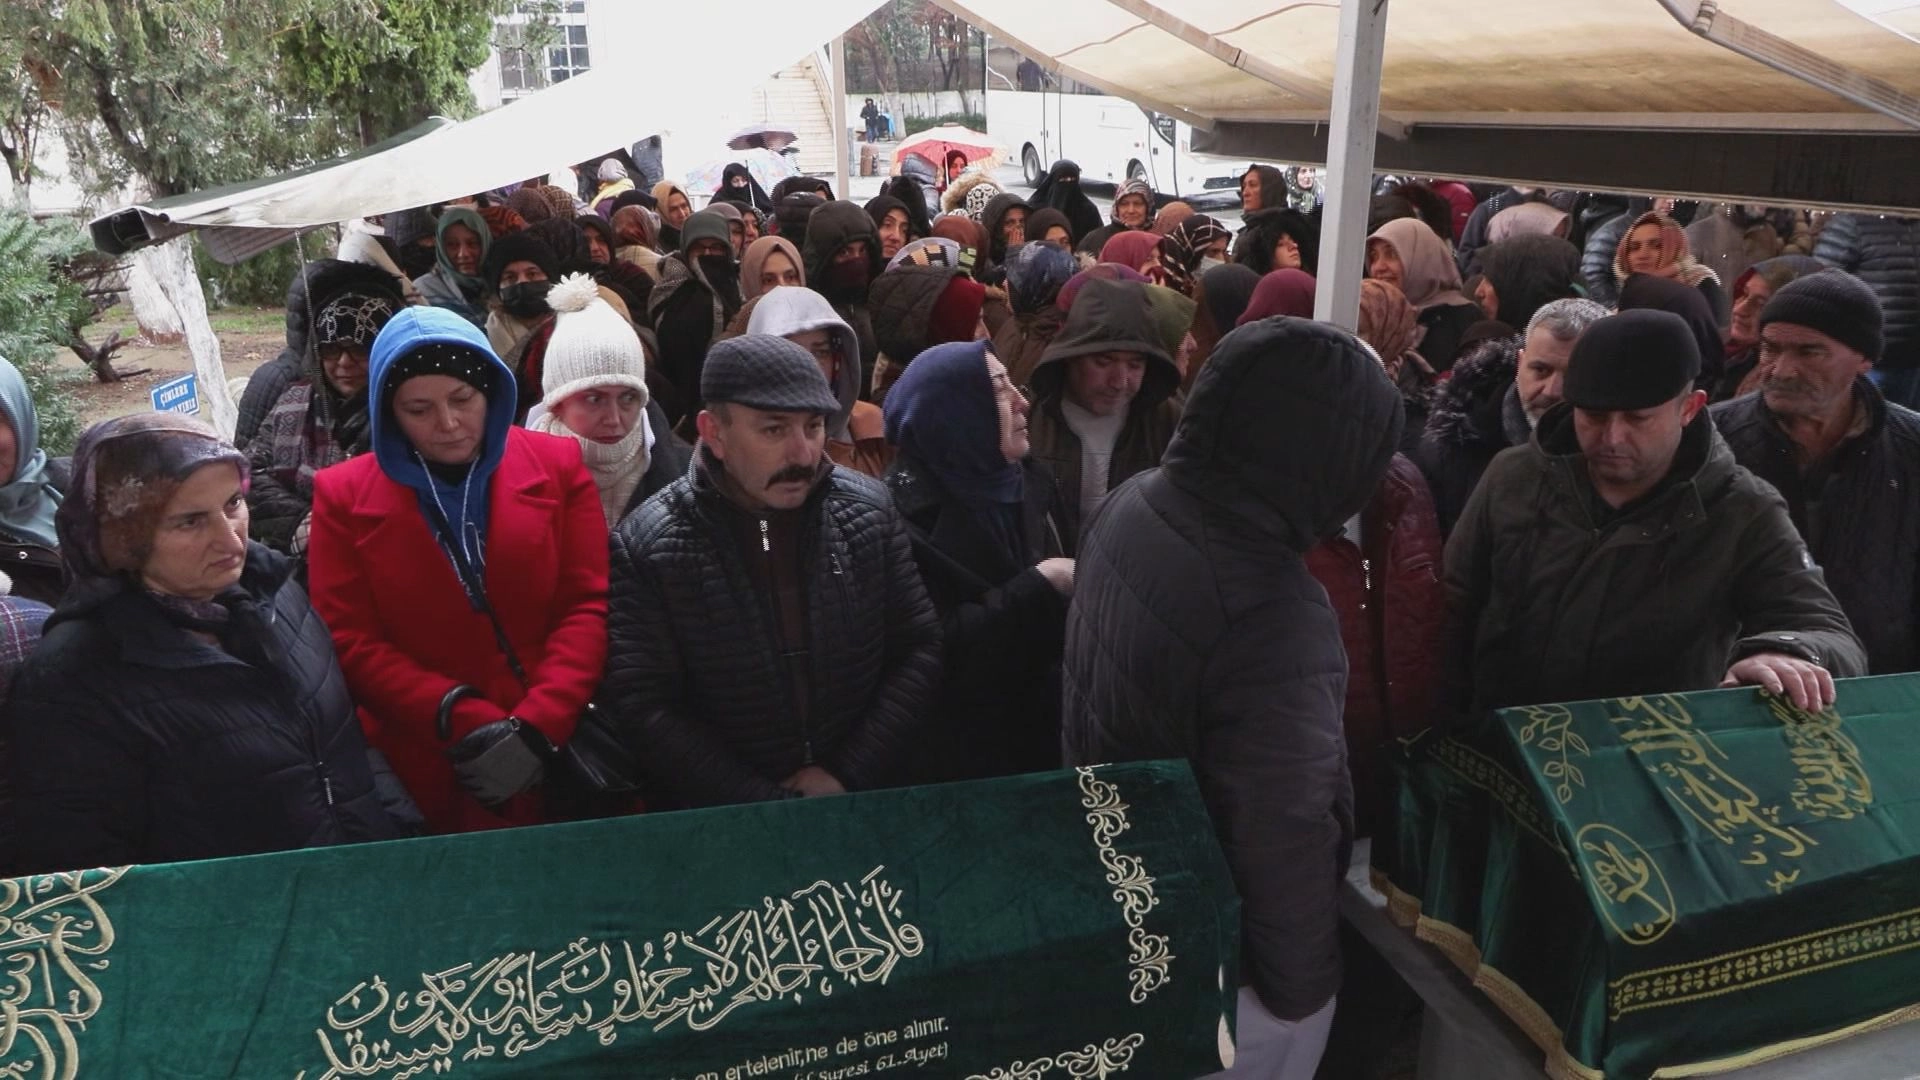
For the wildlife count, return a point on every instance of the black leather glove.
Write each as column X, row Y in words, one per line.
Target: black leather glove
column 498, row 761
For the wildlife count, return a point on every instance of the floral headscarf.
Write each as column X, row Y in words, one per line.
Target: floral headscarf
column 1035, row 275
column 125, row 471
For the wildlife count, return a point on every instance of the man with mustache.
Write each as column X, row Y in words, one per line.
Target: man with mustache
column 769, row 633
column 1846, row 459
column 1623, row 551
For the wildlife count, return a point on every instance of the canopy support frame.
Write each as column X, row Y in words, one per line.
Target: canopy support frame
column 1315, row 94
column 1705, row 19
column 1360, row 52
column 841, row 149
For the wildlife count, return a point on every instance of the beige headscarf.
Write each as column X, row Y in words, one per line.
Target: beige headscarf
column 1428, row 274
column 755, row 260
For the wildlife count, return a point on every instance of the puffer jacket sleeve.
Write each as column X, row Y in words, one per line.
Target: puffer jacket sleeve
column 1783, row 600
column 903, row 703
column 1273, row 768
column 646, row 692
column 79, row 791
column 1839, row 242
column 1596, row 259
column 385, row 680
column 576, row 631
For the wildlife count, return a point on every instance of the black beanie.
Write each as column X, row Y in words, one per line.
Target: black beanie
column 514, row 247
column 1836, row 304
column 1634, row 360
column 463, row 362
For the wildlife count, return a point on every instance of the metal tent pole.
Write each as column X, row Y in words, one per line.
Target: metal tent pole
column 841, row 148
column 1349, row 180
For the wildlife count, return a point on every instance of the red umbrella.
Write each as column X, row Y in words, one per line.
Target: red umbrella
column 934, row 144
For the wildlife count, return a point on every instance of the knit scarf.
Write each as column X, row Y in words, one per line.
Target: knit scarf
column 617, row 468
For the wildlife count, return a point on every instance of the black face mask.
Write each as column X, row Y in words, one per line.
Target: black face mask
column 716, row 267
column 526, row 299
column 848, row 280
column 416, row 261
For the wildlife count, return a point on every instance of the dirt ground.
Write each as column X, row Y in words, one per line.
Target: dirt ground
column 248, row 337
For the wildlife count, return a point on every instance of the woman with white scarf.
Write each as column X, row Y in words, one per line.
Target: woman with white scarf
column 595, row 390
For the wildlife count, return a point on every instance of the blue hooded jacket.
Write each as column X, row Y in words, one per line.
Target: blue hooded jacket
column 465, row 504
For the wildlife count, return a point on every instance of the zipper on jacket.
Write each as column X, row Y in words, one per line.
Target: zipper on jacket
column 1366, row 580
column 779, row 637
column 834, row 561
column 326, row 782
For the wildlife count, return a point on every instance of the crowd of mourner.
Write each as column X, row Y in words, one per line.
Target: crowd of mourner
column 575, row 501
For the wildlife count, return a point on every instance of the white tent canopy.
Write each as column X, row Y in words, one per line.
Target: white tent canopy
column 1790, row 101
column 1670, row 96
column 587, row 115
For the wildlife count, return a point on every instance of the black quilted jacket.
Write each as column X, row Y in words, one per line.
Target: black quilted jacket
column 694, row 675
column 131, row 741
column 1884, row 252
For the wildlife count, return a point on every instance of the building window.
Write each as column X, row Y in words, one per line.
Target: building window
column 541, row 42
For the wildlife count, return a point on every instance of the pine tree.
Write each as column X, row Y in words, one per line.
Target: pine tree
column 40, row 307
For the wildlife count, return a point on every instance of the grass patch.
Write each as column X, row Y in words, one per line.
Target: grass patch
column 249, row 320
column 227, row 320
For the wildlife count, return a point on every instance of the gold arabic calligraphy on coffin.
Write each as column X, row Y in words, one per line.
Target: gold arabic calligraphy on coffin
column 809, row 942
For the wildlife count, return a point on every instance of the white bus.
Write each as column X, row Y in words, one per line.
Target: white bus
column 1041, row 119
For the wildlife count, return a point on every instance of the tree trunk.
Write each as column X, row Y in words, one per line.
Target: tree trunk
column 99, row 357
column 172, row 266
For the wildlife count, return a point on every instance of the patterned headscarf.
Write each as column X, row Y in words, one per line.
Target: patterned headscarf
column 351, row 319
column 558, row 199
column 1390, row 324
column 1184, row 247
column 933, row 251
column 125, row 471
column 965, row 231
column 1035, row 275
column 979, row 196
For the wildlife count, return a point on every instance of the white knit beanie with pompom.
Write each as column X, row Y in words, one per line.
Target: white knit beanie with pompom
column 591, row 344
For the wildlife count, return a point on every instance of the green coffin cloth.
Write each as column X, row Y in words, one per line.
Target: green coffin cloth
column 1665, row 886
column 1071, row 924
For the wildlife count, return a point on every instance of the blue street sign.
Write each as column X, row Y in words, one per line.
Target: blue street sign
column 181, row 395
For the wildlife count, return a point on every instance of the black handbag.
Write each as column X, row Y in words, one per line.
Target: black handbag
column 598, row 775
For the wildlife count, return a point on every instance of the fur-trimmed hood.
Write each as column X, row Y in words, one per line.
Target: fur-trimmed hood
column 956, row 196
column 1477, row 405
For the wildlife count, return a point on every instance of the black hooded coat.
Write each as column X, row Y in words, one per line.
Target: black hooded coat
column 829, row 230
column 1197, row 631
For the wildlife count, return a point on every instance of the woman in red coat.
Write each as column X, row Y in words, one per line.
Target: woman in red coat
column 454, row 512
column 1384, row 583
